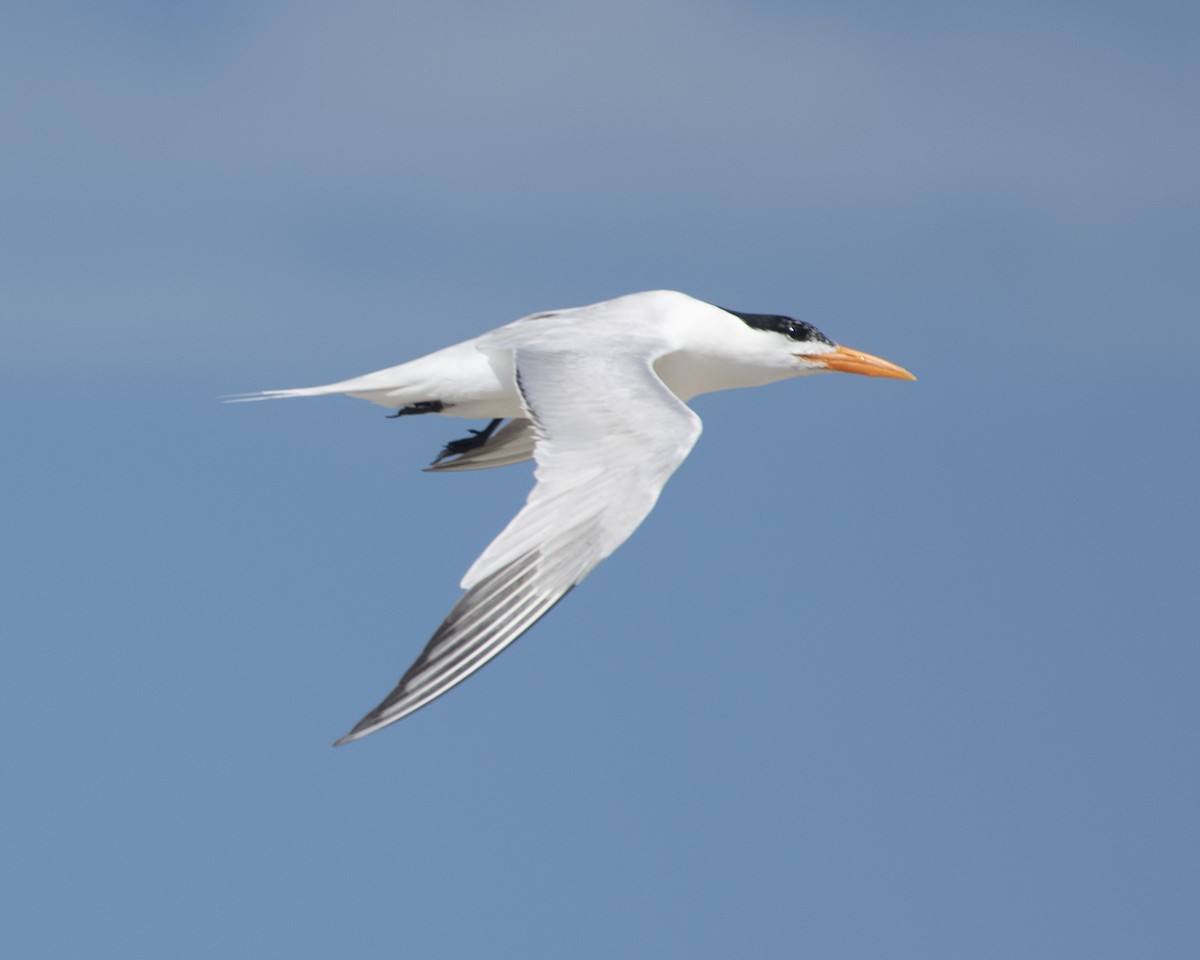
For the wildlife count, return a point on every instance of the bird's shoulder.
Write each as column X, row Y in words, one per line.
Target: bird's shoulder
column 637, row 323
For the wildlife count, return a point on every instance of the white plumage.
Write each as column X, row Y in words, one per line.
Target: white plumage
column 597, row 396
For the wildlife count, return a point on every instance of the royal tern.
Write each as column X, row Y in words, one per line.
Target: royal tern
column 597, row 396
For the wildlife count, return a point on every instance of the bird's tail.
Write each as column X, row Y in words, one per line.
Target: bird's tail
column 283, row 394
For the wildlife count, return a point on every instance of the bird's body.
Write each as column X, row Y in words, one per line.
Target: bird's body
column 597, row 396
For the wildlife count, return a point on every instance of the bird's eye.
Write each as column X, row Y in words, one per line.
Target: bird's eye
column 804, row 332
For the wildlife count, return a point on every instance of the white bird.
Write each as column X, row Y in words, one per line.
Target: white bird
column 597, row 396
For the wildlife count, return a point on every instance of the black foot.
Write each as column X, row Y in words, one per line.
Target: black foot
column 425, row 406
column 477, row 439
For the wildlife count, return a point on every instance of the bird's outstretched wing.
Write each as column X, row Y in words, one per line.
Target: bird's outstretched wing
column 608, row 436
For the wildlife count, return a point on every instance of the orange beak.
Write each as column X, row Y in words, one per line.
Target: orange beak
column 845, row 360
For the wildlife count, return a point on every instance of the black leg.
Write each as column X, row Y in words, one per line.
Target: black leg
column 425, row 406
column 477, row 439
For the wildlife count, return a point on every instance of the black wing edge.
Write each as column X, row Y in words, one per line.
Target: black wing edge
column 485, row 621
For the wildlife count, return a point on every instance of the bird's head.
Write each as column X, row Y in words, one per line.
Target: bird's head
column 815, row 352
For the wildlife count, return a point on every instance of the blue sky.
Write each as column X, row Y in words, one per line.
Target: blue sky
column 902, row 670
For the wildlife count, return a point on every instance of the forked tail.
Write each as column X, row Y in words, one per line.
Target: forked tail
column 282, row 394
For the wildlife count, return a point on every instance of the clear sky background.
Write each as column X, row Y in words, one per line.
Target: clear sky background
column 894, row 669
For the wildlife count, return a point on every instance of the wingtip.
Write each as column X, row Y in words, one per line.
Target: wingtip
column 357, row 733
column 367, row 725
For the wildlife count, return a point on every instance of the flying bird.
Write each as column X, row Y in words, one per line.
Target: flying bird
column 597, row 397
